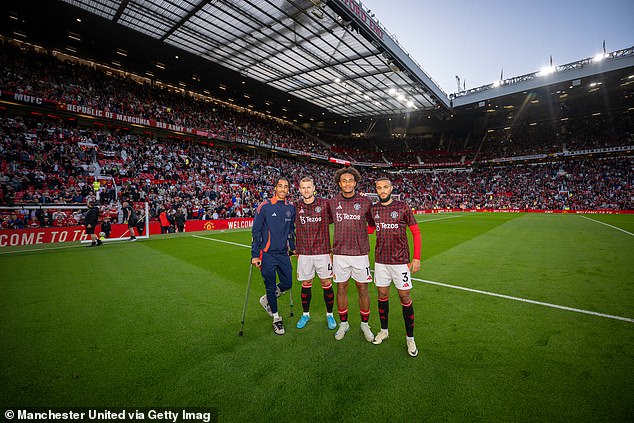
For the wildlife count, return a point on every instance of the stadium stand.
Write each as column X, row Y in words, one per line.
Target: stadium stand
column 53, row 160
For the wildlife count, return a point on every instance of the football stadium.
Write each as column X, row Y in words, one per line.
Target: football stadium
column 185, row 125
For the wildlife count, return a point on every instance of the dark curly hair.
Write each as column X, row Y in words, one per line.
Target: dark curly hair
column 354, row 172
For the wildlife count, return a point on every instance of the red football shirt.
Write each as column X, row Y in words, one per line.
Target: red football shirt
column 351, row 217
column 392, row 222
column 311, row 227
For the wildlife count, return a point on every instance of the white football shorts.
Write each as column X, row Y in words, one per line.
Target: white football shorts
column 355, row 267
column 384, row 274
column 307, row 266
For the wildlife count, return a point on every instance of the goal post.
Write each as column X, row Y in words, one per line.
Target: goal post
column 123, row 236
column 62, row 223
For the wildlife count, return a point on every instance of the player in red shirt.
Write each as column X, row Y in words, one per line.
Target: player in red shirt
column 351, row 215
column 313, row 249
column 392, row 259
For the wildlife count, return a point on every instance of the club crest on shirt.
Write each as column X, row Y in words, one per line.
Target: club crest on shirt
column 318, row 209
column 394, row 214
column 357, row 206
column 288, row 213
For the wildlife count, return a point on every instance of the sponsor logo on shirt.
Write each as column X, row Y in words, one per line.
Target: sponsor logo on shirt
column 307, row 219
column 383, row 226
column 345, row 216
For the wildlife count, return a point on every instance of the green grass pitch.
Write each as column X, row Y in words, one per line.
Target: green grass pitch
column 155, row 324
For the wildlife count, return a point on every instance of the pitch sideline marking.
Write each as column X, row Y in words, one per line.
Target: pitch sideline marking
column 39, row 249
column 525, row 300
column 477, row 291
column 221, row 240
column 607, row 224
column 442, row 218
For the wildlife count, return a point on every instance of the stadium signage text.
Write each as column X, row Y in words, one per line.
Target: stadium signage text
column 367, row 20
column 34, row 236
column 26, row 98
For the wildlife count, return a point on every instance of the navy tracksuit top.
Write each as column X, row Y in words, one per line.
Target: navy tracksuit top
column 273, row 228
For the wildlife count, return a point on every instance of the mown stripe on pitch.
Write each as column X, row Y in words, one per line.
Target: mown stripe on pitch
column 478, row 291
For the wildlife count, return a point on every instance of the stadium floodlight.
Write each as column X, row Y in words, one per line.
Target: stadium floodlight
column 337, row 80
column 410, row 104
column 497, row 84
column 546, row 70
column 599, row 57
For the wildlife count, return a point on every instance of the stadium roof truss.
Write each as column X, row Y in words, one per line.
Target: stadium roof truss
column 334, row 54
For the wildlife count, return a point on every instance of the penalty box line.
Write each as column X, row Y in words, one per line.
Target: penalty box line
column 478, row 291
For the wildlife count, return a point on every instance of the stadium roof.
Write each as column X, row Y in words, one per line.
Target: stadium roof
column 333, row 54
column 574, row 73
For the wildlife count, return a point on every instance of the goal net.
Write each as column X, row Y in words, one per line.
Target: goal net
column 53, row 223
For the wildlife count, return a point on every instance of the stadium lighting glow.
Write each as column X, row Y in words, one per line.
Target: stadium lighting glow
column 599, row 57
column 365, row 96
column 546, row 70
column 410, row 104
column 337, row 80
column 497, row 84
column 392, row 91
column 401, row 97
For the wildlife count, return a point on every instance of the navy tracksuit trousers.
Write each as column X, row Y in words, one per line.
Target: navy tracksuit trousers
column 280, row 265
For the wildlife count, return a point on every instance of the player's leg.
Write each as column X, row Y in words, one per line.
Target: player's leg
column 329, row 299
column 384, row 310
column 382, row 280
column 342, row 271
column 323, row 268
column 305, row 275
column 270, row 268
column 403, row 285
column 362, row 276
column 306, row 296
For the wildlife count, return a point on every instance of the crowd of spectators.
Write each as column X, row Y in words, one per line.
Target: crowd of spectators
column 64, row 81
column 44, row 162
column 51, row 161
